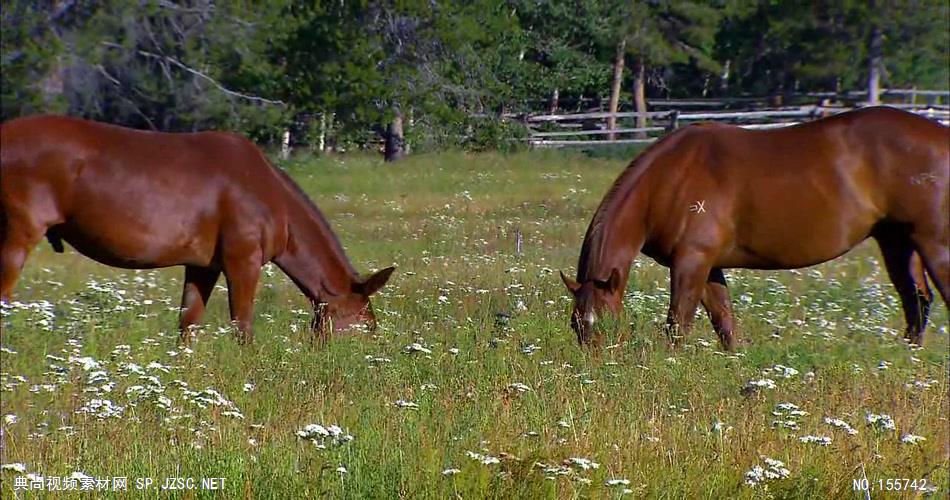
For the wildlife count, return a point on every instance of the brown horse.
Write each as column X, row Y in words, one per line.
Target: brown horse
column 710, row 197
column 139, row 200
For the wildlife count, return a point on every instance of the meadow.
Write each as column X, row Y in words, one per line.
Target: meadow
column 473, row 386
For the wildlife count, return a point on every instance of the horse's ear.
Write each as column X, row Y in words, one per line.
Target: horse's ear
column 571, row 285
column 372, row 284
column 612, row 284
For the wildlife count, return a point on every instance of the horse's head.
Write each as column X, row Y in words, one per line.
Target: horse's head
column 592, row 300
column 350, row 310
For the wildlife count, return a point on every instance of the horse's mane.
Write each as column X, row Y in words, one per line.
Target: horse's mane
column 592, row 249
column 316, row 215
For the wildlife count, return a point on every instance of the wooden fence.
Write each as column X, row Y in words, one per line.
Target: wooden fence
column 591, row 129
column 599, row 103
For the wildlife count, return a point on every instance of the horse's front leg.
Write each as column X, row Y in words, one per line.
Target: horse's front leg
column 242, row 273
column 687, row 284
column 718, row 306
column 18, row 235
column 199, row 283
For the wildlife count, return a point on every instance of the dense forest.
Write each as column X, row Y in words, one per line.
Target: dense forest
column 441, row 73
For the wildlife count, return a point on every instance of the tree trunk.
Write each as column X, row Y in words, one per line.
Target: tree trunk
column 724, row 77
column 639, row 96
column 615, row 87
column 395, row 143
column 875, row 62
column 554, row 102
column 406, row 147
column 322, row 141
column 285, row 145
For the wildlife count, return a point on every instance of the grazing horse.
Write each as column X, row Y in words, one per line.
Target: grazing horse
column 209, row 201
column 710, row 197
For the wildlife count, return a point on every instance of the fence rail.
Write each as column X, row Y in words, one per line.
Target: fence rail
column 589, row 128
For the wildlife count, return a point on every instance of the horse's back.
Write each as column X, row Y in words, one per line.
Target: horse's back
column 799, row 195
column 880, row 149
column 133, row 198
column 908, row 156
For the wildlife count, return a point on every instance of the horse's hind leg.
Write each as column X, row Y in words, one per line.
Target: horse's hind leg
column 905, row 270
column 199, row 283
column 935, row 253
column 925, row 295
column 718, row 306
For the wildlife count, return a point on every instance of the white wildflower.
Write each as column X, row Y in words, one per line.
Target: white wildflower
column 321, row 436
column 841, row 424
column 155, row 365
column 721, row 427
column 819, row 440
column 102, row 409
column 17, row 467
column 85, row 362
column 582, row 463
column 881, row 422
column 377, row 360
column 529, row 349
column 765, row 383
column 774, row 469
column 484, row 459
column 401, row 403
column 912, row 439
column 417, row 347
column 784, row 371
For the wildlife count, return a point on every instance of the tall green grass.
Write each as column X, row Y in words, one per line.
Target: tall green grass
column 499, row 376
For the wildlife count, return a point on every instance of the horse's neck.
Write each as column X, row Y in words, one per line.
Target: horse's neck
column 616, row 234
column 313, row 258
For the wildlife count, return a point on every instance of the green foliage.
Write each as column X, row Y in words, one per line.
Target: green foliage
column 673, row 31
column 28, row 51
column 484, row 134
column 147, row 64
column 801, row 46
column 917, row 44
column 260, row 67
column 328, row 64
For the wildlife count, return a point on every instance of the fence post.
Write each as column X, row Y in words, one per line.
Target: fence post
column 523, row 120
column 674, row 121
column 285, row 145
column 323, row 133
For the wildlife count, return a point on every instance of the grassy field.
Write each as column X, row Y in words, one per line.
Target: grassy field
column 473, row 386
